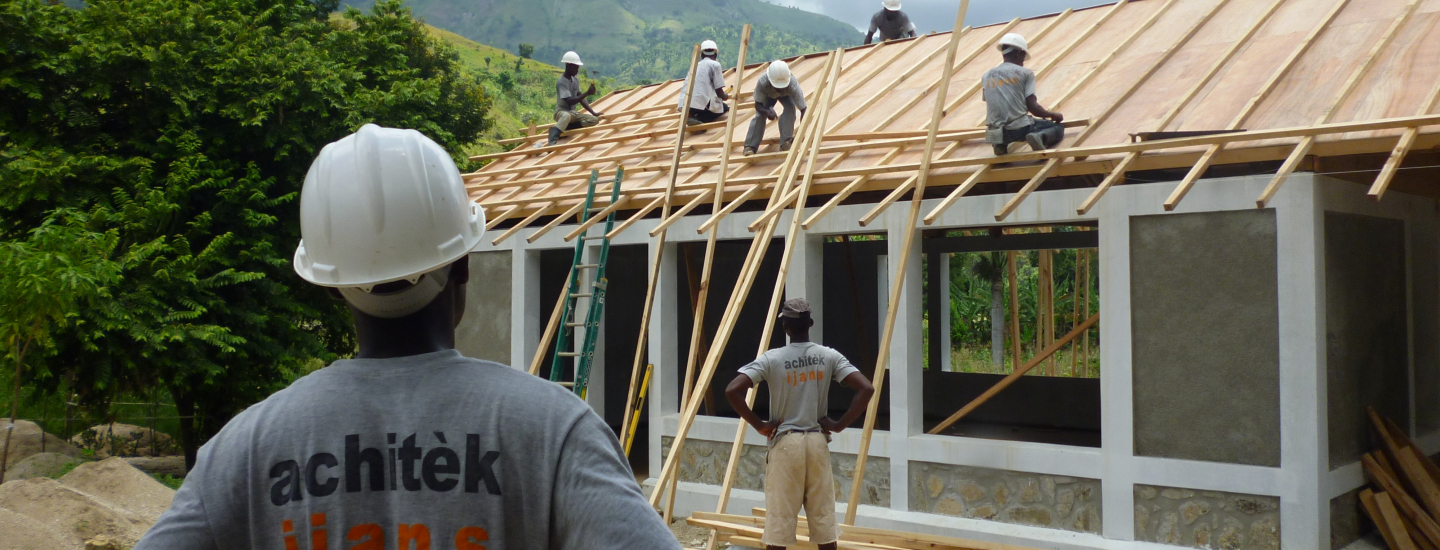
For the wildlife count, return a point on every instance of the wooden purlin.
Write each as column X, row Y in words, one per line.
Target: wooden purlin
column 882, row 358
column 1052, row 165
column 1402, row 147
column 1250, row 106
column 1118, row 174
column 1308, row 142
column 758, row 246
column 778, row 292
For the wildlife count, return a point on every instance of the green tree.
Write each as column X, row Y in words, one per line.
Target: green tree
column 525, row 50
column 59, row 268
column 185, row 127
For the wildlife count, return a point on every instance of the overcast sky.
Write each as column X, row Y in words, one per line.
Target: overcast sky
column 937, row 15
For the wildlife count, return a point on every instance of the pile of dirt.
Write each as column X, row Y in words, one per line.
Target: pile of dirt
column 98, row 500
column 689, row 536
column 123, row 440
column 121, row 485
column 40, row 465
column 26, row 441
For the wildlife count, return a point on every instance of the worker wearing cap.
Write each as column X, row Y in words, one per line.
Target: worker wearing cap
column 409, row 440
column 1010, row 100
column 891, row 23
column 568, row 95
column 797, row 464
column 776, row 85
column 707, row 104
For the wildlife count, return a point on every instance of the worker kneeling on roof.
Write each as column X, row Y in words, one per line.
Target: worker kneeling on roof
column 1010, row 100
column 707, row 102
column 567, row 96
column 777, row 85
column 891, row 23
column 797, row 464
column 407, row 441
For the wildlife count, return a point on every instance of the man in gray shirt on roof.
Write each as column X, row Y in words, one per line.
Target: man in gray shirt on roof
column 567, row 96
column 797, row 463
column 408, row 442
column 1010, row 100
column 892, row 23
column 776, row 85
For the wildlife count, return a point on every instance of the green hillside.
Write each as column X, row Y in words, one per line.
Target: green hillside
column 635, row 41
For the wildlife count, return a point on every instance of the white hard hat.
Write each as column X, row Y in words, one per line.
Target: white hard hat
column 709, row 46
column 779, row 73
column 571, row 58
column 892, row 5
column 1013, row 40
column 384, row 205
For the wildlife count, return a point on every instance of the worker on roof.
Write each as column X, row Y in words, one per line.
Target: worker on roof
column 892, row 23
column 797, row 464
column 568, row 95
column 1010, row 100
column 776, row 85
column 409, row 440
column 707, row 104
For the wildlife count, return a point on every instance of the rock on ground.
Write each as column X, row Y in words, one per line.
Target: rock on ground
column 25, row 442
column 20, row 532
column 40, row 465
column 124, row 439
column 168, row 465
column 121, row 485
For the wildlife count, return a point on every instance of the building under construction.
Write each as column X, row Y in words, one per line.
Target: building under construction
column 1241, row 226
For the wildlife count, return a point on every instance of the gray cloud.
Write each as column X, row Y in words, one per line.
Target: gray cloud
column 937, row 15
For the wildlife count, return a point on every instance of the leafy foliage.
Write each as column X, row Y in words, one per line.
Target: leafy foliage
column 182, row 130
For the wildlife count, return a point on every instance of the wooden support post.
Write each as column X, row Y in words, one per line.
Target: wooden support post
column 1394, row 522
column 758, row 246
column 1348, row 88
column 1015, row 343
column 1085, row 336
column 1012, row 377
column 1367, row 501
column 550, row 328
column 1249, row 108
column 898, row 283
column 1075, row 312
column 1407, row 505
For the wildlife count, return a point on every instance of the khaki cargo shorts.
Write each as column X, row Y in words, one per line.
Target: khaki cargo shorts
column 570, row 120
column 797, row 473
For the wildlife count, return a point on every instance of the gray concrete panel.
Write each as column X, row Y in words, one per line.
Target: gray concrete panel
column 484, row 332
column 1205, row 330
column 1425, row 312
column 1366, row 343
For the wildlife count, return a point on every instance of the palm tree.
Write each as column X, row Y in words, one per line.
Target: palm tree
column 991, row 267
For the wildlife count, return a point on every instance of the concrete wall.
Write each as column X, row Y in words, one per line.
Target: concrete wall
column 484, row 332
column 1206, row 353
column 1346, row 522
column 1367, row 346
column 1057, row 502
column 705, row 461
column 1206, row 519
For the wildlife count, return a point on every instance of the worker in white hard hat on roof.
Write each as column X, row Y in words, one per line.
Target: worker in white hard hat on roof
column 777, row 85
column 707, row 104
column 1010, row 101
column 892, row 23
column 568, row 95
column 409, row 440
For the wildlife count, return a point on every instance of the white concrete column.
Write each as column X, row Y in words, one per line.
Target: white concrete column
column 906, row 366
column 1304, row 433
column 1117, row 420
column 663, row 349
column 526, row 318
column 806, row 278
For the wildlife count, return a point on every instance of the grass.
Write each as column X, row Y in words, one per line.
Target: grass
column 977, row 360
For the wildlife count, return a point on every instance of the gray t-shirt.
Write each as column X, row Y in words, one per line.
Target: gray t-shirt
column 764, row 90
column 891, row 29
column 566, row 88
column 711, row 76
column 437, row 447
column 799, row 376
column 1006, row 88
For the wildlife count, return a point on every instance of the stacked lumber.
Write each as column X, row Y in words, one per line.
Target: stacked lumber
column 746, row 531
column 1404, row 501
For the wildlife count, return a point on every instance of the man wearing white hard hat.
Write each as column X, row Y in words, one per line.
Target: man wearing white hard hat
column 891, row 23
column 707, row 104
column 568, row 95
column 1010, row 100
column 408, row 440
column 776, row 85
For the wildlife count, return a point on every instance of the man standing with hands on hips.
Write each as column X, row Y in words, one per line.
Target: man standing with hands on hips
column 797, row 465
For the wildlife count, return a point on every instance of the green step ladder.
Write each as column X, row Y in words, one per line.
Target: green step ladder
column 565, row 342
